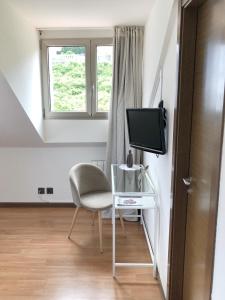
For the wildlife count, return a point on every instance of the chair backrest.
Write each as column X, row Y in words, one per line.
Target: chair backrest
column 86, row 178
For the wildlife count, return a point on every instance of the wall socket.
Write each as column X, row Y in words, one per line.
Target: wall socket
column 49, row 190
column 41, row 190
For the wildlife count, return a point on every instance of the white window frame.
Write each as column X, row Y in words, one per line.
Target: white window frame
column 91, row 76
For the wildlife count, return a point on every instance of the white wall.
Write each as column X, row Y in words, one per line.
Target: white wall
column 155, row 30
column 161, row 168
column 15, row 126
column 19, row 61
column 23, row 170
column 20, row 65
column 218, row 291
column 75, row 131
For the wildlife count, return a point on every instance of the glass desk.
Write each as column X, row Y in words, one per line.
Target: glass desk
column 133, row 189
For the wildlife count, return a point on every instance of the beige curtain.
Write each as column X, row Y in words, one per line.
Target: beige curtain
column 126, row 91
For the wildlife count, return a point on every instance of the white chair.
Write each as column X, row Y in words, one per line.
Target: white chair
column 91, row 190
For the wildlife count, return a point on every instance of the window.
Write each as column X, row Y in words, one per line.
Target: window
column 77, row 77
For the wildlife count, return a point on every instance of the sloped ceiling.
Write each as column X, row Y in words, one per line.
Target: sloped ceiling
column 85, row 13
column 16, row 128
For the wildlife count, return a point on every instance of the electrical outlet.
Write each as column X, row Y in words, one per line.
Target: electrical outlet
column 41, row 190
column 49, row 190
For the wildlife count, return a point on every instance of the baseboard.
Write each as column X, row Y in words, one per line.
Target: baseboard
column 36, row 204
column 160, row 285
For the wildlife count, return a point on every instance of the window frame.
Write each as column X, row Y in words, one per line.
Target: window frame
column 94, row 44
column 90, row 45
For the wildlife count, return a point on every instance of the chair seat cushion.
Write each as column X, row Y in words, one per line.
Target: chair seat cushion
column 97, row 200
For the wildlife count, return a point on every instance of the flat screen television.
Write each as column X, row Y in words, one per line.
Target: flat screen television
column 146, row 128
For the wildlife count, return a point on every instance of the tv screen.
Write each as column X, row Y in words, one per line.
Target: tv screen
column 146, row 129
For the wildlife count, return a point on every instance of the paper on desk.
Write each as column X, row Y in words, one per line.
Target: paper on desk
column 129, row 201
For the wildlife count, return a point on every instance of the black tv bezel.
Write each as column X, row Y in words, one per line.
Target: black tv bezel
column 162, row 151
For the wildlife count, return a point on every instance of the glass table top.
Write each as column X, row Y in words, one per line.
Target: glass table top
column 133, row 181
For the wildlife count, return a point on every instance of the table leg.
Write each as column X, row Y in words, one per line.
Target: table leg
column 156, row 225
column 113, row 239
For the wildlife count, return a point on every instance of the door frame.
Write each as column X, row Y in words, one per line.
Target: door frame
column 186, row 40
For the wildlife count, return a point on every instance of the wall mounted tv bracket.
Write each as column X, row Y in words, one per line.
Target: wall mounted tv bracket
column 164, row 112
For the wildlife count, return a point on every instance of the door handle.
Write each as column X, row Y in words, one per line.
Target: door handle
column 187, row 181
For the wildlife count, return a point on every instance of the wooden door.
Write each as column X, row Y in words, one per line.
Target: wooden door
column 206, row 135
column 199, row 123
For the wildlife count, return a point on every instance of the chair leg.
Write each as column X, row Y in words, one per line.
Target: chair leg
column 73, row 221
column 100, row 230
column 121, row 221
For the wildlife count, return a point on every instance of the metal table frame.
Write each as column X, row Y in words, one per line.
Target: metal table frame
column 150, row 204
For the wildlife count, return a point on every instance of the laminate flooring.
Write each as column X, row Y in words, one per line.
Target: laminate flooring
column 38, row 262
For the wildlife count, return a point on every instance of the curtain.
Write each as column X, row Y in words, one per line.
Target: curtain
column 126, row 91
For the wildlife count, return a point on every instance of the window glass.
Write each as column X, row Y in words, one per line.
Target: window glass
column 67, row 79
column 104, row 77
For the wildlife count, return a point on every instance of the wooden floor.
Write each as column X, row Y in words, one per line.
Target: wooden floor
column 37, row 261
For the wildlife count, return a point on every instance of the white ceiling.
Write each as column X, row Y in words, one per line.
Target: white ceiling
column 84, row 13
column 15, row 127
